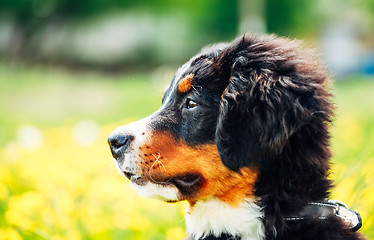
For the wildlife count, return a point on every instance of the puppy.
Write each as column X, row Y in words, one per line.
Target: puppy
column 242, row 134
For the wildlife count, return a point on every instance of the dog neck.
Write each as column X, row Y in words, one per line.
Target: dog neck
column 214, row 218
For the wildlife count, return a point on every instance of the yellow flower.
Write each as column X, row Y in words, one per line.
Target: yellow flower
column 349, row 131
column 3, row 191
column 9, row 234
column 175, row 233
column 139, row 222
column 22, row 209
column 16, row 218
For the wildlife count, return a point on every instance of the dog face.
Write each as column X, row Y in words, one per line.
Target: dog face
column 227, row 114
column 172, row 154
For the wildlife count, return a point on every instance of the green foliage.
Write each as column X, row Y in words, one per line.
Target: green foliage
column 291, row 17
column 205, row 21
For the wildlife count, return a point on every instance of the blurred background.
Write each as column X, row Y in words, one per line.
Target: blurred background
column 72, row 71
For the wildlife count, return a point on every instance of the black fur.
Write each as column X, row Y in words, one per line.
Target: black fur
column 274, row 92
column 275, row 112
column 277, row 108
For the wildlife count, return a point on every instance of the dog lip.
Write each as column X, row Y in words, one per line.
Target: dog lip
column 142, row 180
column 187, row 181
column 135, row 178
column 129, row 175
column 139, row 181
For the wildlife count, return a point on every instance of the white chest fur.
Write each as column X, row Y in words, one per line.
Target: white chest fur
column 212, row 216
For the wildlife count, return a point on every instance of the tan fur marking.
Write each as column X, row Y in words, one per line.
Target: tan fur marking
column 185, row 84
column 174, row 158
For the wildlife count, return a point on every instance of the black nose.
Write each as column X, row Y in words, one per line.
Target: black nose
column 119, row 143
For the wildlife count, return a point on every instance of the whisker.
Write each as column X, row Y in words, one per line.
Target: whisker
column 111, row 165
column 153, row 164
column 132, row 194
column 159, row 162
column 182, row 220
column 164, row 171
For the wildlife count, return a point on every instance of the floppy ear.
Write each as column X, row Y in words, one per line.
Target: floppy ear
column 259, row 110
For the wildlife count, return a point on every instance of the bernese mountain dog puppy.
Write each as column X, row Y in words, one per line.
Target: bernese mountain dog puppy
column 243, row 136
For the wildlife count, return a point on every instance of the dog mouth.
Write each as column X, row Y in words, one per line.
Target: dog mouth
column 186, row 181
column 183, row 181
column 138, row 180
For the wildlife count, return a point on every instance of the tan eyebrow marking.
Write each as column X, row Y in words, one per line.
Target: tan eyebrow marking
column 185, row 84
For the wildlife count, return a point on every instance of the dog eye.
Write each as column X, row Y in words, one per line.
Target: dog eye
column 190, row 104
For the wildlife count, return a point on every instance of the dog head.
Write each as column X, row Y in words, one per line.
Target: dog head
column 229, row 112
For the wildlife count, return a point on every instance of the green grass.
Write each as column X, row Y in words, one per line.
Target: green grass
column 52, row 97
column 63, row 190
column 354, row 124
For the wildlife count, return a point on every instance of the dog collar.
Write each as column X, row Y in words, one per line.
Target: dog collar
column 323, row 210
